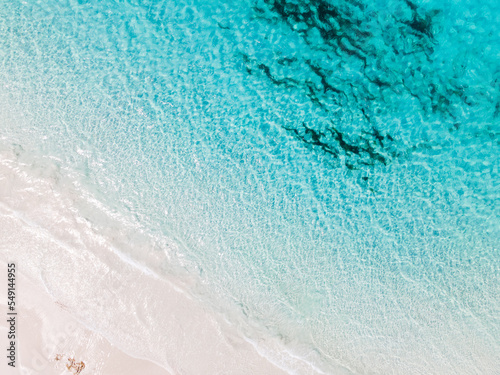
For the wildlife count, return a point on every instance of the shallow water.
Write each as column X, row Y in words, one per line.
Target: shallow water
column 328, row 173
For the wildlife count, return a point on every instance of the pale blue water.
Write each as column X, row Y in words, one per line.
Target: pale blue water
column 330, row 172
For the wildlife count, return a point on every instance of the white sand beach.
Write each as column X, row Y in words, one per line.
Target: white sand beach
column 78, row 300
column 49, row 337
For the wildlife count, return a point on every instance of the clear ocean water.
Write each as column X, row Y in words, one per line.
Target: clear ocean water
column 327, row 170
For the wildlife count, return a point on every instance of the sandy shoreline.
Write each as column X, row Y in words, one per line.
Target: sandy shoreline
column 77, row 298
column 49, row 337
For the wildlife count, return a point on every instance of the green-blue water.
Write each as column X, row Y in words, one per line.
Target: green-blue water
column 328, row 170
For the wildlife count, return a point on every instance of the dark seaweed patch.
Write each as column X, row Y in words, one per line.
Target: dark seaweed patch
column 421, row 24
column 346, row 32
column 356, row 151
column 223, row 27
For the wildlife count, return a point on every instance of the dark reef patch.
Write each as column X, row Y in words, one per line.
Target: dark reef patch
column 395, row 59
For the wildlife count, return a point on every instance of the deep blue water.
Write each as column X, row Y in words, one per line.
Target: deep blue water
column 328, row 170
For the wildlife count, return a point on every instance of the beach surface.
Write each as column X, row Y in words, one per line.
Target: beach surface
column 50, row 340
column 77, row 299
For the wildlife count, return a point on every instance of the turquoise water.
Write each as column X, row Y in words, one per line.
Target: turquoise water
column 328, row 171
